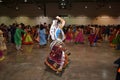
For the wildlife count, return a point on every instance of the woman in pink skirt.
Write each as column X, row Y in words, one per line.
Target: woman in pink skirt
column 69, row 35
column 79, row 37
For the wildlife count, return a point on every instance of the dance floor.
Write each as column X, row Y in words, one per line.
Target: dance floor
column 86, row 63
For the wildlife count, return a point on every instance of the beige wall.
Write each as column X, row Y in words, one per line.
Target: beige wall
column 30, row 14
column 24, row 19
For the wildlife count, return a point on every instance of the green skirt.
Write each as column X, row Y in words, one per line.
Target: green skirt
column 116, row 40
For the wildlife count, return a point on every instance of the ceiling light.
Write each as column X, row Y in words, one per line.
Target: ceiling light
column 63, row 4
column 39, row 8
column 86, row 7
column 63, row 7
column 1, row 1
column 109, row 6
column 25, row 0
column 17, row 7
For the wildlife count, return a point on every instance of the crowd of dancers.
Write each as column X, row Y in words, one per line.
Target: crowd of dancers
column 57, row 33
column 19, row 34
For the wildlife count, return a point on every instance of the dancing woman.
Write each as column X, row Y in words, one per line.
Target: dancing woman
column 56, row 29
column 116, row 40
column 69, row 35
column 27, row 39
column 79, row 37
column 2, row 45
column 93, row 37
column 18, row 37
column 42, row 36
column 57, row 59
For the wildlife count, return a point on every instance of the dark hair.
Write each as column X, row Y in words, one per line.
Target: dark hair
column 41, row 27
column 58, row 21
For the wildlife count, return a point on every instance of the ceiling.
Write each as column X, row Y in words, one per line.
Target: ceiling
column 54, row 1
column 42, row 3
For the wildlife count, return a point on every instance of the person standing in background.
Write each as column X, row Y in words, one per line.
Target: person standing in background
column 69, row 35
column 12, row 30
column 2, row 45
column 46, row 30
column 42, row 36
column 18, row 37
column 2, row 42
column 79, row 39
column 27, row 39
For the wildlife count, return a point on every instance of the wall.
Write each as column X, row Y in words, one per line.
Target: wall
column 78, row 14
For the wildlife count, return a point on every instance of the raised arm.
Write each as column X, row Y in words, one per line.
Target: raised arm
column 117, row 32
column 62, row 21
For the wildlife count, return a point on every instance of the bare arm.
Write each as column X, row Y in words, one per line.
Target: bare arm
column 117, row 33
column 62, row 21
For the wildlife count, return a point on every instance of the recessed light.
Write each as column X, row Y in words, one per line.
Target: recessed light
column 86, row 7
column 17, row 7
column 1, row 1
column 63, row 7
column 39, row 8
column 25, row 0
column 109, row 6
